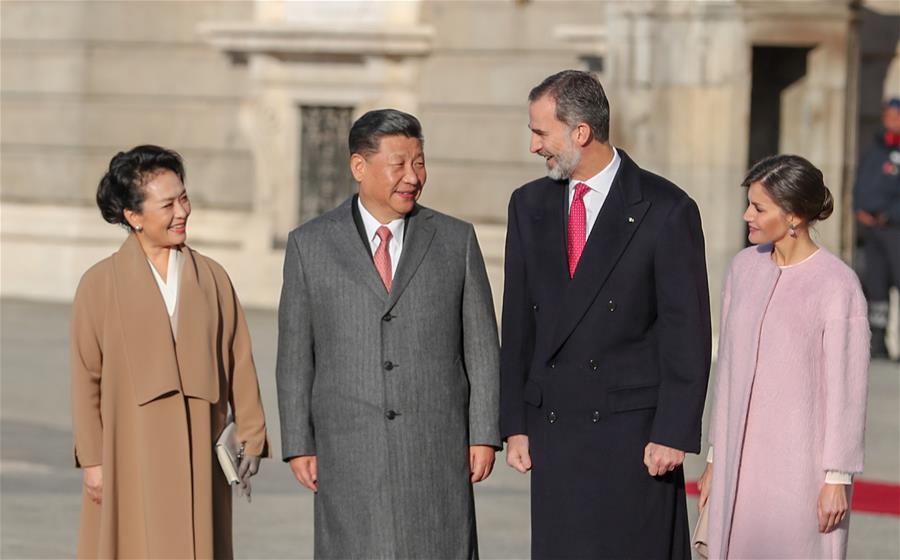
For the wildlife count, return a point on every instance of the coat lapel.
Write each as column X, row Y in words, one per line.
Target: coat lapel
column 352, row 254
column 195, row 343
column 416, row 240
column 145, row 324
column 550, row 221
column 618, row 220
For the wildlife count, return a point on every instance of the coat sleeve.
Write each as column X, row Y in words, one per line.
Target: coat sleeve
column 517, row 332
column 722, row 379
column 245, row 397
column 846, row 363
column 295, row 368
column 683, row 329
column 481, row 349
column 86, row 362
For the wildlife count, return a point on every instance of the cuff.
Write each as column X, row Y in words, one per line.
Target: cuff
column 709, row 455
column 838, row 477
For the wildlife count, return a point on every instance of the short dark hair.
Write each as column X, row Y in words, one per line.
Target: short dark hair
column 368, row 130
column 796, row 185
column 579, row 98
column 122, row 186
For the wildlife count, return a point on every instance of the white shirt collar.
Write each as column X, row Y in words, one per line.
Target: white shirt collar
column 371, row 224
column 601, row 182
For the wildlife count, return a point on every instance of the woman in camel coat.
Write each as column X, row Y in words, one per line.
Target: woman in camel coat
column 790, row 401
column 159, row 350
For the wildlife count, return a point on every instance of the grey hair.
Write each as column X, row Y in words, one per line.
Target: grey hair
column 579, row 99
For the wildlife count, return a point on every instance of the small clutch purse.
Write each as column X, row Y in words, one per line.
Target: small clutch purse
column 229, row 451
column 700, row 540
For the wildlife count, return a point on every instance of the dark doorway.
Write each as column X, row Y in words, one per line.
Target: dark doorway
column 774, row 69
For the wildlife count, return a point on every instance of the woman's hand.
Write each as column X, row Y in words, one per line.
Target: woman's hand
column 93, row 483
column 703, row 485
column 832, row 507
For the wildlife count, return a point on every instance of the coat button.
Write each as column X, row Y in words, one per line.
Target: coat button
column 594, row 365
column 389, row 365
column 387, row 317
column 552, row 417
column 534, row 307
column 391, row 414
column 595, row 417
column 611, row 305
column 552, row 365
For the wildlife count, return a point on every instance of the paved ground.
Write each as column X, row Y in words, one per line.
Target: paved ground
column 39, row 489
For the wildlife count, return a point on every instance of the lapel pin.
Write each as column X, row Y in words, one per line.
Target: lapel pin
column 630, row 219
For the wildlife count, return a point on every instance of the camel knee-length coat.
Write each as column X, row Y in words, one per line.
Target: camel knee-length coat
column 148, row 406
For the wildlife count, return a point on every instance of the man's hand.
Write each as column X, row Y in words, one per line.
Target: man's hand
column 832, row 507
column 661, row 459
column 703, row 485
column 306, row 471
column 481, row 462
column 517, row 455
column 93, row 483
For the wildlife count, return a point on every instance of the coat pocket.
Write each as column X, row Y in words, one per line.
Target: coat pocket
column 633, row 398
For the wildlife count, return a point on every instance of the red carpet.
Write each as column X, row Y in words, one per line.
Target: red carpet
column 868, row 496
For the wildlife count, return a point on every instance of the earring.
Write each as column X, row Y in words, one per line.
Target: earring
column 793, row 230
column 139, row 229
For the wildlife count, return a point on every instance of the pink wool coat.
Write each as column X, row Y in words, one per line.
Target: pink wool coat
column 790, row 404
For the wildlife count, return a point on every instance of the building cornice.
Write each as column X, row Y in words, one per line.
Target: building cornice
column 285, row 39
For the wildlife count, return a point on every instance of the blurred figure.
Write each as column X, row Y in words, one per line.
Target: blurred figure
column 877, row 204
column 790, row 400
column 159, row 351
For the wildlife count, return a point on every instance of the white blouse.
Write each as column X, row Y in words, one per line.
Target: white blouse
column 169, row 287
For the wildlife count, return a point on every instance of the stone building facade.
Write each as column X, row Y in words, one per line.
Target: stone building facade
column 258, row 96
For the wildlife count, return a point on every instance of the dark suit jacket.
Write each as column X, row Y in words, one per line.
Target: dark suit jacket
column 595, row 367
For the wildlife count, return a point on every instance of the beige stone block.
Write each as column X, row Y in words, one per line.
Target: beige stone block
column 47, row 175
column 488, row 79
column 43, row 68
column 30, row 119
column 499, row 136
column 35, row 20
column 502, row 24
column 43, row 175
column 476, row 192
column 168, row 71
column 150, row 21
column 99, row 121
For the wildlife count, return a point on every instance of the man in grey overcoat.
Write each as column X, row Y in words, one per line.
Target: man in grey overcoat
column 388, row 360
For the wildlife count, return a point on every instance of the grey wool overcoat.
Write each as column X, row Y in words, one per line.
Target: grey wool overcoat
column 388, row 390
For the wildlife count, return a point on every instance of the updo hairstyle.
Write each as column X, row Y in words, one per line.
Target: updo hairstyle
column 795, row 184
column 122, row 187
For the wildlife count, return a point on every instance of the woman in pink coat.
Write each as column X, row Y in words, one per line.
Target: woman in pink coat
column 790, row 402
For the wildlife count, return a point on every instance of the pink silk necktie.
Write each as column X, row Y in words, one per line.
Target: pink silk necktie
column 382, row 256
column 577, row 227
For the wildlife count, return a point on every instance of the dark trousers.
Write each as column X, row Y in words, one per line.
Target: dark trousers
column 882, row 252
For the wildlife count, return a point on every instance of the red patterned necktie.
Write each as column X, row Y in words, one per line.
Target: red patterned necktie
column 577, row 227
column 382, row 256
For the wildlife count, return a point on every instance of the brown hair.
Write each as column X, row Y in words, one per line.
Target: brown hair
column 796, row 185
